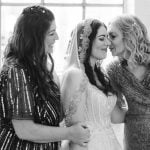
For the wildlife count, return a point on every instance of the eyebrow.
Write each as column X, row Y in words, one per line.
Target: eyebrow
column 52, row 30
column 111, row 32
column 102, row 35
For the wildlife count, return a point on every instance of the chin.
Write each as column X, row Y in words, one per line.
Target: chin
column 113, row 53
column 50, row 51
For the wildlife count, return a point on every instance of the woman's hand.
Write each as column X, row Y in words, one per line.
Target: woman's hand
column 80, row 134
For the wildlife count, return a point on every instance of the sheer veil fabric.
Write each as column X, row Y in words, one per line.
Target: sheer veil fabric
column 79, row 43
column 72, row 51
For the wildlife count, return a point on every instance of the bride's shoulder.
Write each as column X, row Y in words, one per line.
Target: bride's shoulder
column 73, row 70
column 74, row 74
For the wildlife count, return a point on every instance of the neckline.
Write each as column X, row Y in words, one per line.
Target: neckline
column 93, row 86
column 147, row 72
column 131, row 78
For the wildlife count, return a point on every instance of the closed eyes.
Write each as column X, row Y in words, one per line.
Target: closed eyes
column 111, row 36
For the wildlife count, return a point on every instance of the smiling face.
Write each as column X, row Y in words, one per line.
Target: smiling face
column 50, row 38
column 116, row 38
column 100, row 44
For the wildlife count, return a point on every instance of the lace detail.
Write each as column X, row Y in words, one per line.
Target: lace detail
column 84, row 39
column 74, row 101
column 91, row 106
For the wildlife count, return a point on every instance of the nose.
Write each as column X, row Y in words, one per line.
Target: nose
column 107, row 42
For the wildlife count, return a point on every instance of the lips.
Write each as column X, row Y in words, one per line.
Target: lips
column 51, row 46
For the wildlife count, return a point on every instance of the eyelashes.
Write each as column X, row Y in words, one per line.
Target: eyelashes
column 101, row 39
column 111, row 36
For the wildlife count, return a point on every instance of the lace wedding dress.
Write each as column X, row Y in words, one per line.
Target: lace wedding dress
column 84, row 102
column 97, row 112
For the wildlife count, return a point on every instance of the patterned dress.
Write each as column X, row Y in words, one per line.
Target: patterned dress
column 20, row 99
column 96, row 108
column 137, row 93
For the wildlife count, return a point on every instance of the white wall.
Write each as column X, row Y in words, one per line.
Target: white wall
column 140, row 8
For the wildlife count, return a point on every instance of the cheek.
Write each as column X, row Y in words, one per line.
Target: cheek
column 98, row 45
column 95, row 50
column 119, row 45
column 48, row 41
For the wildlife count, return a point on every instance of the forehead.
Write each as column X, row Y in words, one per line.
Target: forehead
column 101, row 31
column 52, row 26
column 112, row 28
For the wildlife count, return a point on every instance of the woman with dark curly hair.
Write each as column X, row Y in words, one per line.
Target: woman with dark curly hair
column 130, row 76
column 86, row 91
column 30, row 110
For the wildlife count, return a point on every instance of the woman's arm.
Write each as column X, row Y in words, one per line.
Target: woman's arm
column 22, row 101
column 28, row 130
column 73, row 91
column 117, row 115
column 119, row 111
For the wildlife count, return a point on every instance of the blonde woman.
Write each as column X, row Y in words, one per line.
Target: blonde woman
column 130, row 75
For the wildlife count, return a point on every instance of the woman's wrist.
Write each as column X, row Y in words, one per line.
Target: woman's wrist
column 69, row 133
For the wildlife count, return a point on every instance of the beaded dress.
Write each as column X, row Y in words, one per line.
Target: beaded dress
column 20, row 99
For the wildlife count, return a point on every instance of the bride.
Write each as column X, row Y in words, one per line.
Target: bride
column 87, row 95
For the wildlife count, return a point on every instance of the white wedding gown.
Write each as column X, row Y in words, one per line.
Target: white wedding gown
column 97, row 109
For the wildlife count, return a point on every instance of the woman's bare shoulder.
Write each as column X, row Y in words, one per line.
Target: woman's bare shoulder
column 74, row 75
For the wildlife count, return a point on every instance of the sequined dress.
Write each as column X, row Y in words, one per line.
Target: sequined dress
column 97, row 109
column 20, row 99
column 137, row 93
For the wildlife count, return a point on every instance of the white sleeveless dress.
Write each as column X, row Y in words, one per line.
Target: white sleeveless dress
column 97, row 108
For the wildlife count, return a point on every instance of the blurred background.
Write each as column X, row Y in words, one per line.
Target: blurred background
column 68, row 13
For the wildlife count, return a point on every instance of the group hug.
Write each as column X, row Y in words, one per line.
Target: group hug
column 41, row 111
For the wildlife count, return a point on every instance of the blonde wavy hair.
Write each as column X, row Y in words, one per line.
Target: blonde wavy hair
column 135, row 38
